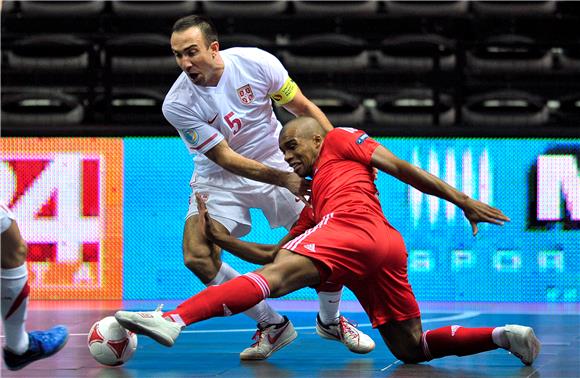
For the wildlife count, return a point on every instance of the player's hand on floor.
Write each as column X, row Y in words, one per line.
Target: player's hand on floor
column 476, row 212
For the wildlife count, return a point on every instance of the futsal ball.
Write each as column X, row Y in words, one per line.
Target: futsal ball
column 110, row 344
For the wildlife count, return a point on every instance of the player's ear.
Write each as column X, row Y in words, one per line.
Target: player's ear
column 214, row 47
column 317, row 140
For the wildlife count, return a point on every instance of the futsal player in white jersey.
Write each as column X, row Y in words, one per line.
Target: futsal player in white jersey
column 221, row 108
column 20, row 347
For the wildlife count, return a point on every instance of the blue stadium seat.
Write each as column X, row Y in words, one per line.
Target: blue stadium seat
column 140, row 53
column 137, row 106
column 244, row 8
column 412, row 107
column 336, row 8
column 61, row 53
column 508, row 53
column 153, row 9
column 426, row 8
column 244, row 40
column 31, row 17
column 505, row 108
column 514, row 8
column 41, row 108
column 59, row 9
column 416, row 53
column 326, row 53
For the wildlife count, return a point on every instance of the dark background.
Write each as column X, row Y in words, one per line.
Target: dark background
column 393, row 68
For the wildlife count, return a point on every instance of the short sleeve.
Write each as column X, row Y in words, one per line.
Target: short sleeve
column 351, row 144
column 274, row 72
column 198, row 136
column 305, row 221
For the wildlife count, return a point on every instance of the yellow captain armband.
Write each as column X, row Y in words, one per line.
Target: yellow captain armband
column 285, row 94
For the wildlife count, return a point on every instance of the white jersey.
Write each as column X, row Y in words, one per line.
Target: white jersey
column 238, row 109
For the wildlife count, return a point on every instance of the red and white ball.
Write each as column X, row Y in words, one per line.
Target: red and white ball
column 110, row 344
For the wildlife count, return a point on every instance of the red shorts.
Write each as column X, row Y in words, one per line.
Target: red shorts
column 368, row 256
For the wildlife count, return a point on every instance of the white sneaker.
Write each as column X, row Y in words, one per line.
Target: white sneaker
column 347, row 333
column 523, row 343
column 150, row 323
column 269, row 339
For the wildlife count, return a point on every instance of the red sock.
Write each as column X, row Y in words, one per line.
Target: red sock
column 456, row 340
column 232, row 297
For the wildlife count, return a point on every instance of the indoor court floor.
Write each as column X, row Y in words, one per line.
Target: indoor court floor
column 211, row 348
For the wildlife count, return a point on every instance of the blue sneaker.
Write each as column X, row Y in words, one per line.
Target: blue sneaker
column 42, row 344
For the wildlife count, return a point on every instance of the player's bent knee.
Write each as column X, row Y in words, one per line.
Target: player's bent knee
column 411, row 359
column 280, row 289
column 197, row 249
column 409, row 355
column 203, row 267
column 284, row 278
column 276, row 281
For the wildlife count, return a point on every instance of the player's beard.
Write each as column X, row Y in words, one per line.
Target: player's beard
column 196, row 78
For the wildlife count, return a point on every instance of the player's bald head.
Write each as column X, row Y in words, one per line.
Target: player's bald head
column 302, row 127
column 300, row 141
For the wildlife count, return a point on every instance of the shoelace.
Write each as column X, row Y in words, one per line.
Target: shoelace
column 159, row 307
column 257, row 337
column 346, row 326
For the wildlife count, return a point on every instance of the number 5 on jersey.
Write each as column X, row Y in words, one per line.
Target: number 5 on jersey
column 234, row 123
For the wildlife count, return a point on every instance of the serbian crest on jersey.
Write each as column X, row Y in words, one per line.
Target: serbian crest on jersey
column 245, row 94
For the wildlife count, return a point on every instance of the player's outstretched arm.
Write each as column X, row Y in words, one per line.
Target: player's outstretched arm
column 223, row 155
column 475, row 211
column 252, row 252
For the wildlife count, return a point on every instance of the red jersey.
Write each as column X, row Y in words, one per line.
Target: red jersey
column 343, row 179
column 346, row 235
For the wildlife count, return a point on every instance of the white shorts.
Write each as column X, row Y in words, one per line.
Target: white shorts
column 230, row 197
column 6, row 217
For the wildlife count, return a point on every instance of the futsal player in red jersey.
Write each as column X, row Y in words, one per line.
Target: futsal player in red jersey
column 343, row 238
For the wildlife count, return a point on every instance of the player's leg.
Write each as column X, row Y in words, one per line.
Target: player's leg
column 200, row 256
column 329, row 297
column 410, row 344
column 287, row 273
column 21, row 348
column 394, row 310
column 404, row 339
column 15, row 289
column 331, row 325
column 230, row 214
column 204, row 260
column 407, row 341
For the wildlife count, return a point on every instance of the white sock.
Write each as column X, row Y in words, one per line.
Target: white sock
column 15, row 293
column 262, row 313
column 500, row 338
column 329, row 303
